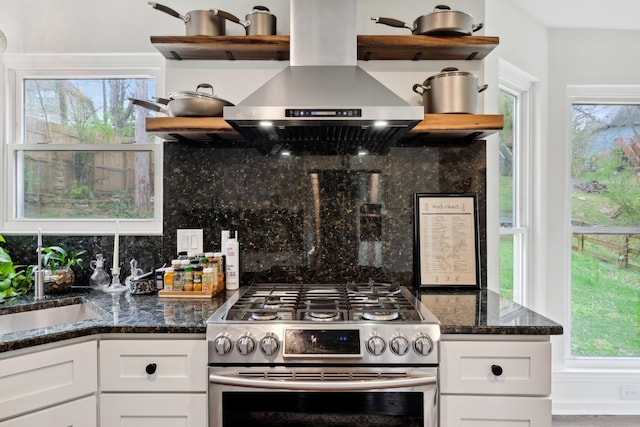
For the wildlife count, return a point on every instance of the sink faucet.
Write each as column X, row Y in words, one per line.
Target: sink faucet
column 39, row 273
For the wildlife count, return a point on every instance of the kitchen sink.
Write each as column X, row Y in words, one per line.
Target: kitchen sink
column 48, row 317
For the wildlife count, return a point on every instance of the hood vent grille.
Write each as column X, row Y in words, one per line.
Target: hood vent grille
column 325, row 139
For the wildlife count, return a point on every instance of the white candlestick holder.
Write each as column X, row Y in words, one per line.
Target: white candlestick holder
column 115, row 286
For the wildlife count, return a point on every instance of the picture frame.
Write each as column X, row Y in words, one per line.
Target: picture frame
column 446, row 241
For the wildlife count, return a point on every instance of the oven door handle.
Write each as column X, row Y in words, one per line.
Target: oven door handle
column 387, row 383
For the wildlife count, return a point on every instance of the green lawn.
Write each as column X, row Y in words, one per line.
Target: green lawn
column 605, row 304
column 605, row 308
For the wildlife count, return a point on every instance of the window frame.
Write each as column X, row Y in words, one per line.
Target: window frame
column 521, row 85
column 591, row 94
column 16, row 68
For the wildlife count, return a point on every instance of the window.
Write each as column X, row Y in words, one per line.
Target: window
column 78, row 155
column 605, row 222
column 514, row 191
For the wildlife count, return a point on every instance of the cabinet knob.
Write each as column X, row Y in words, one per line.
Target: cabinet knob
column 496, row 370
column 151, row 368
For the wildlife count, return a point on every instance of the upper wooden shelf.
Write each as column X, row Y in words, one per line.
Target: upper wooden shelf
column 370, row 47
column 433, row 127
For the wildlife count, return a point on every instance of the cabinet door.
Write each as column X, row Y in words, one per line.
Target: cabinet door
column 153, row 365
column 153, row 410
column 44, row 378
column 80, row 413
column 494, row 411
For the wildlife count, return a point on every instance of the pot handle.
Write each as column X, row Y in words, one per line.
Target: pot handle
column 441, row 7
column 391, row 22
column 477, row 27
column 422, row 90
column 168, row 11
column 229, row 16
column 148, row 105
column 205, row 85
column 483, row 88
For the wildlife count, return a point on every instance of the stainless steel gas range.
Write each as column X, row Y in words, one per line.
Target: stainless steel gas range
column 323, row 354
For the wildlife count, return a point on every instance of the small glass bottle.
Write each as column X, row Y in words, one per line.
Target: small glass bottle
column 197, row 278
column 168, row 278
column 207, row 279
column 99, row 278
column 187, row 278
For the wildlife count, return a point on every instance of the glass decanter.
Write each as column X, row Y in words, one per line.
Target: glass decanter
column 99, row 278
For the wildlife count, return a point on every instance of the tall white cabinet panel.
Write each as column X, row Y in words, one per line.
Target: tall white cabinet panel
column 46, row 377
column 79, row 413
column 153, row 410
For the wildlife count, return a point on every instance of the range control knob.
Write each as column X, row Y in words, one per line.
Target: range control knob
column 399, row 345
column 423, row 344
column 246, row 344
column 376, row 345
column 223, row 344
column 269, row 344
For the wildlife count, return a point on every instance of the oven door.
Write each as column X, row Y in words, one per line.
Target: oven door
column 322, row 396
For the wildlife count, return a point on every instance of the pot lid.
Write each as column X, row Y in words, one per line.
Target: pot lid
column 450, row 71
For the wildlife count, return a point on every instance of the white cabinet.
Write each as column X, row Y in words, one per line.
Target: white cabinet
column 153, row 382
column 78, row 413
column 495, row 383
column 44, row 378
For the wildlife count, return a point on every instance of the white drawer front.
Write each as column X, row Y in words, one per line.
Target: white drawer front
column 153, row 410
column 44, row 378
column 153, row 365
column 499, row 411
column 466, row 368
column 79, row 413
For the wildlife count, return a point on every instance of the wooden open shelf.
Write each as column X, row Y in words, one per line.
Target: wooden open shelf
column 440, row 126
column 370, row 47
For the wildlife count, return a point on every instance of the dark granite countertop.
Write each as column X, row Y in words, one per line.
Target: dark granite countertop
column 479, row 312
column 485, row 312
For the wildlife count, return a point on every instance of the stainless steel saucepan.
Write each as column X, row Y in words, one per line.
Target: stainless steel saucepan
column 197, row 22
column 442, row 20
column 188, row 103
column 450, row 91
column 260, row 22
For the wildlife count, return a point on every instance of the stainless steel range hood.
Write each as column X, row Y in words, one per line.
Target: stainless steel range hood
column 323, row 102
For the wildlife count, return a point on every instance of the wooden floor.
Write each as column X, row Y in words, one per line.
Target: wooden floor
column 596, row 421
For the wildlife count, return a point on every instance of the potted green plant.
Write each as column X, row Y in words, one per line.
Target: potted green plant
column 57, row 263
column 15, row 280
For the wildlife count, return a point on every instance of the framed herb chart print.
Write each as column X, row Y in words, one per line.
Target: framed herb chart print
column 446, row 240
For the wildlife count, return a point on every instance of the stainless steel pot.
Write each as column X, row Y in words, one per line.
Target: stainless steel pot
column 450, row 91
column 188, row 104
column 260, row 22
column 442, row 20
column 198, row 22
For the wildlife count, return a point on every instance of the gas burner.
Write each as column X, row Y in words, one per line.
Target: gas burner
column 372, row 289
column 380, row 316
column 262, row 316
column 319, row 316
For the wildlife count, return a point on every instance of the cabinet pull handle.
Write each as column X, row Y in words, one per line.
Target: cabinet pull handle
column 496, row 370
column 151, row 368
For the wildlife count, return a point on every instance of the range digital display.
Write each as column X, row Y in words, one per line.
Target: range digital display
column 325, row 342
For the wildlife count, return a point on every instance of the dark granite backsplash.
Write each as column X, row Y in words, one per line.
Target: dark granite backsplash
column 299, row 218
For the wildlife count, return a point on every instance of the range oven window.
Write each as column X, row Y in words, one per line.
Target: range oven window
column 282, row 409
